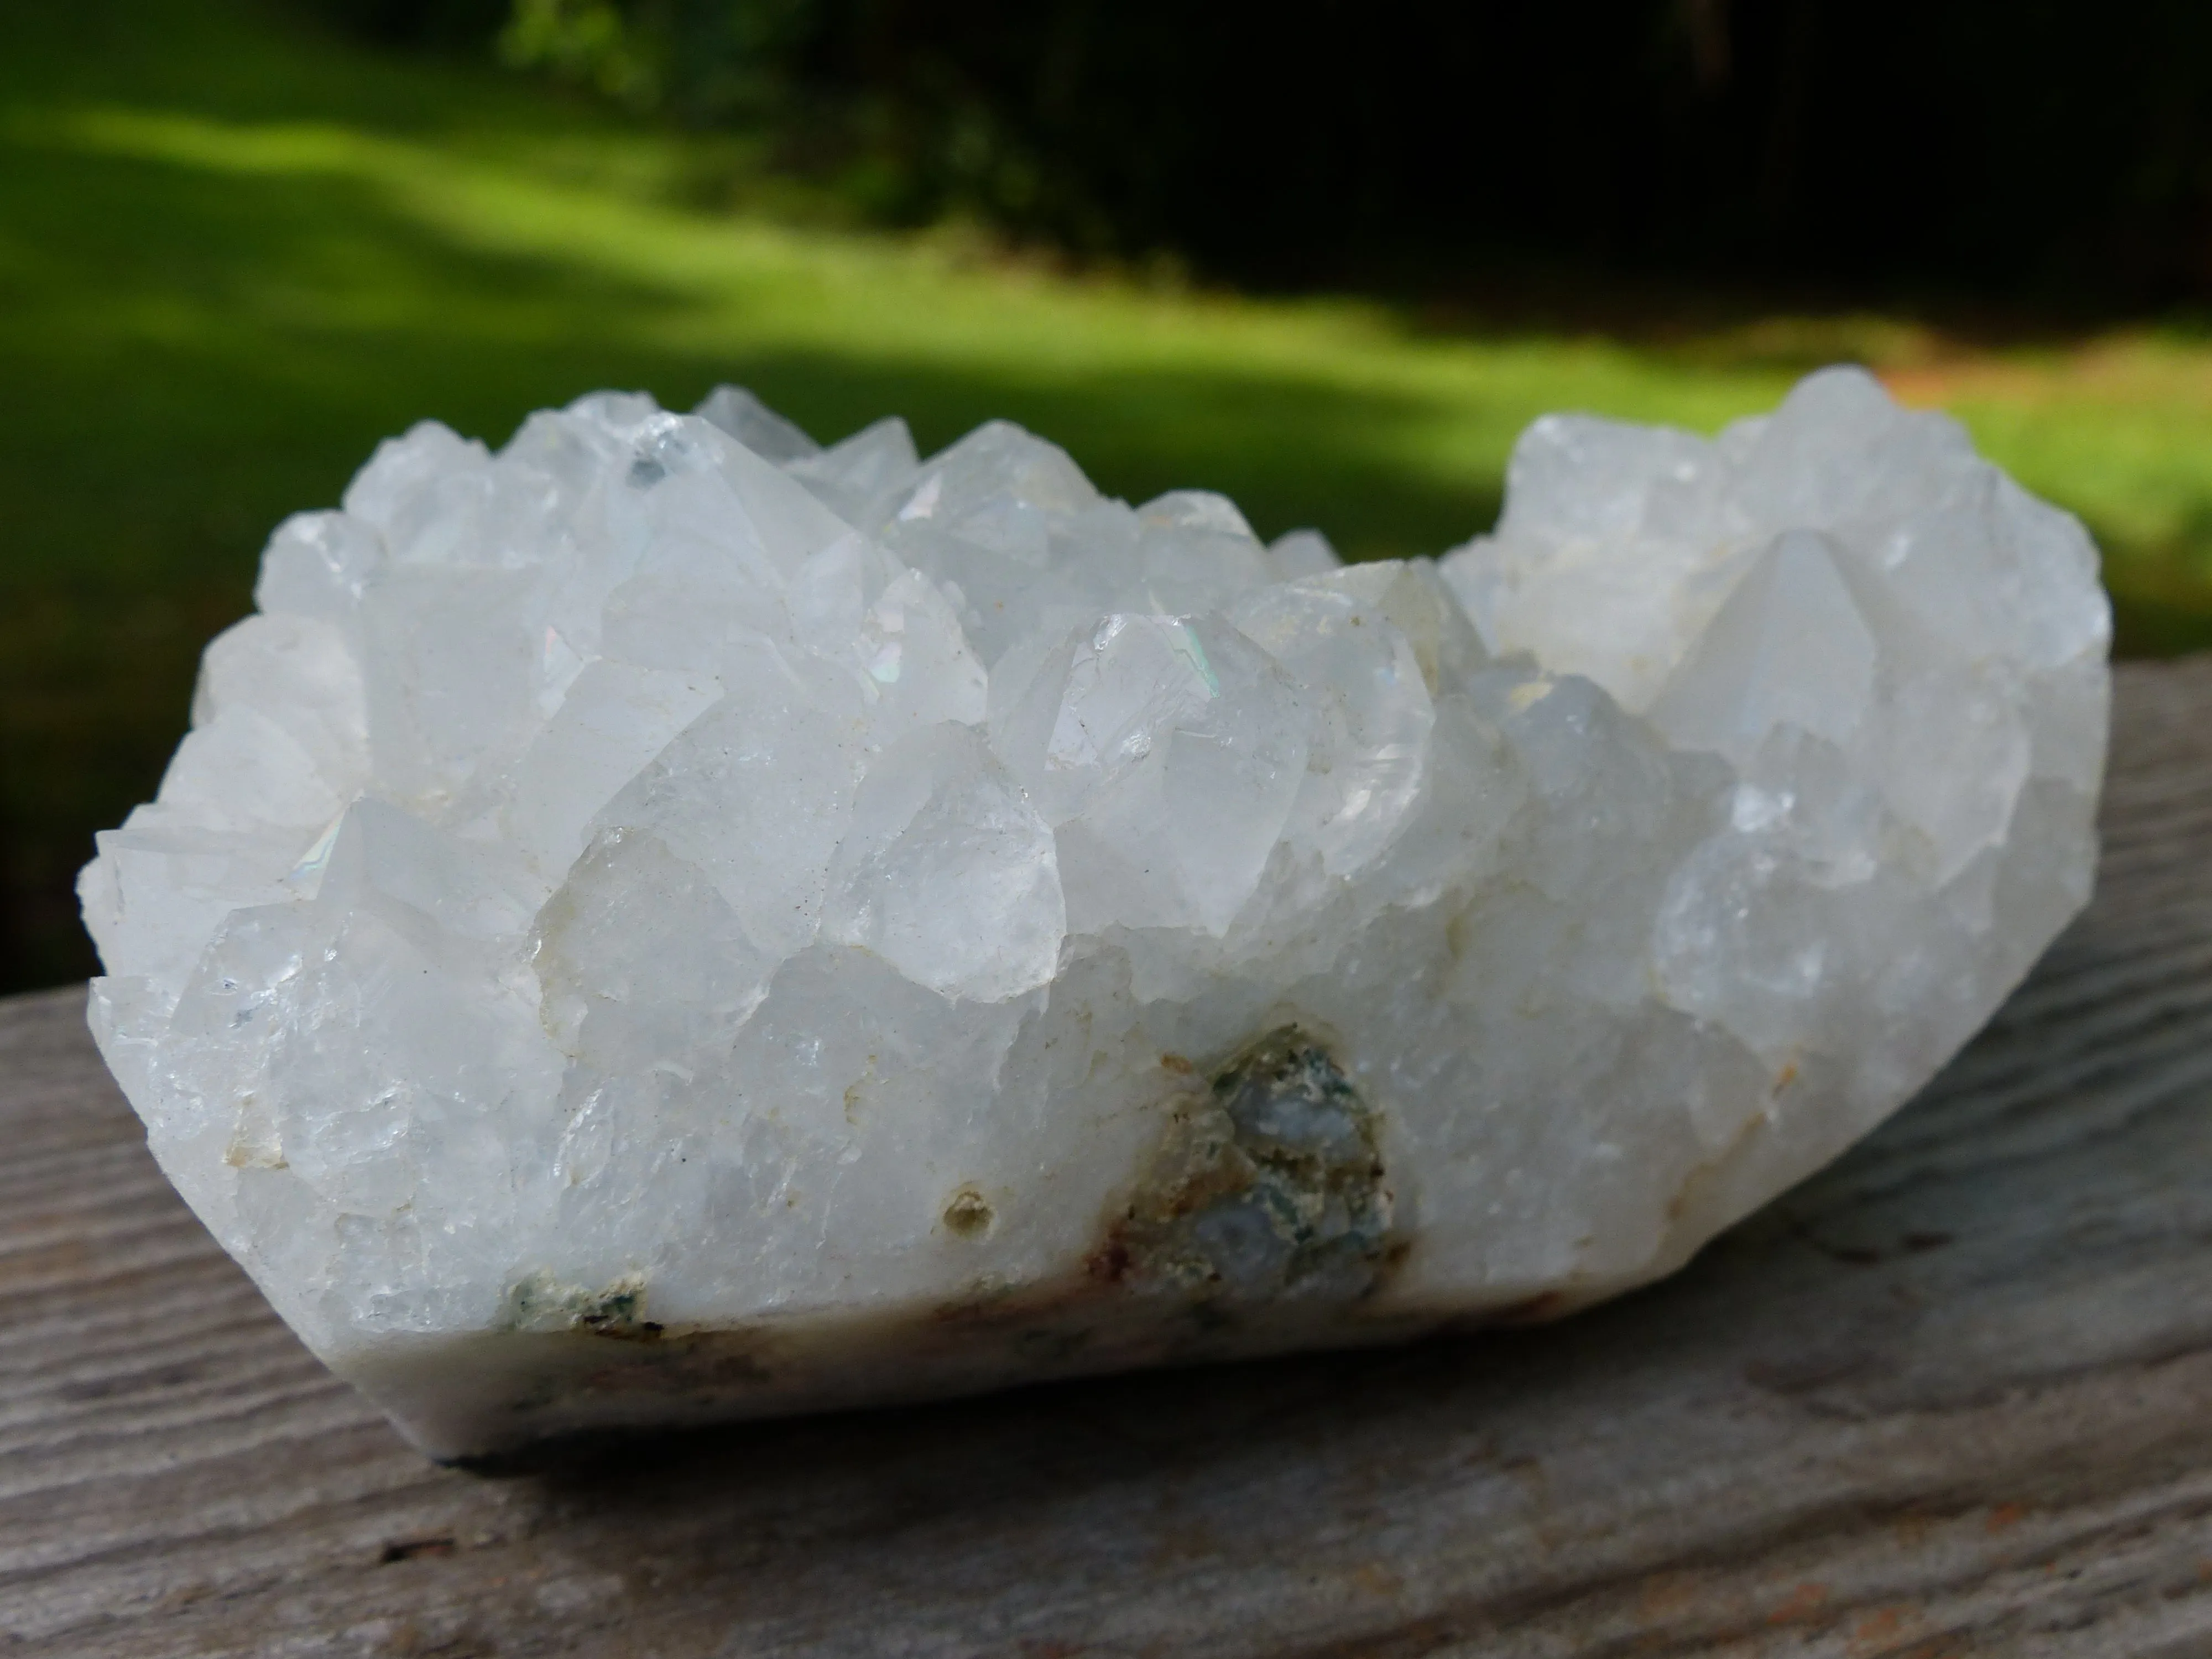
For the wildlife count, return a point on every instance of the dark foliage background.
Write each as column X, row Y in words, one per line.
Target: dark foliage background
column 240, row 241
column 2047, row 149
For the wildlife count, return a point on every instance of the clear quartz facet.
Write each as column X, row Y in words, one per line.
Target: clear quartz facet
column 669, row 921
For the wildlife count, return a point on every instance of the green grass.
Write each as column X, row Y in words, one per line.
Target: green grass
column 234, row 254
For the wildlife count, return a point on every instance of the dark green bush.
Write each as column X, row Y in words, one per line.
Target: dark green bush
column 2033, row 146
column 464, row 24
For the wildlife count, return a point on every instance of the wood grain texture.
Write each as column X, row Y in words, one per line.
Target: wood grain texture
column 1954, row 1397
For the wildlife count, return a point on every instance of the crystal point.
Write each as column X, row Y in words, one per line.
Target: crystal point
column 668, row 920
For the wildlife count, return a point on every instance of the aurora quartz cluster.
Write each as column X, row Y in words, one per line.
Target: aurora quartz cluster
column 667, row 921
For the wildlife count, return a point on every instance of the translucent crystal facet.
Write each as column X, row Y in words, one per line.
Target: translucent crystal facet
column 670, row 921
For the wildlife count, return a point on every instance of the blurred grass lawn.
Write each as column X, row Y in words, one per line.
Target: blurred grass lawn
column 234, row 254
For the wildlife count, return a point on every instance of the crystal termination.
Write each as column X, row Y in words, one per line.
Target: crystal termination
column 668, row 921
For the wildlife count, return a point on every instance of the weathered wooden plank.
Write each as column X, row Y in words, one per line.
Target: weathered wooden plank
column 1954, row 1397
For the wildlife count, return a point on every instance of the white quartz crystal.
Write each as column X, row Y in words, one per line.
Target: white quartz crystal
column 666, row 921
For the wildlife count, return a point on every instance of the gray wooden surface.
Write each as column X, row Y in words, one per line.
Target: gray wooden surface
column 1953, row 1397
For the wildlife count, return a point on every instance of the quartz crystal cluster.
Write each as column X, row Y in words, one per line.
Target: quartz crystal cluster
column 666, row 921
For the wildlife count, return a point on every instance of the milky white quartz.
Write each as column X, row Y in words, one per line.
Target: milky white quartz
column 667, row 921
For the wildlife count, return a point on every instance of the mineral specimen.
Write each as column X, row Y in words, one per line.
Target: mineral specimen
column 668, row 921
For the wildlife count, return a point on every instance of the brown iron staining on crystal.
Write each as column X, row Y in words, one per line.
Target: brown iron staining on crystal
column 1267, row 1186
column 969, row 1214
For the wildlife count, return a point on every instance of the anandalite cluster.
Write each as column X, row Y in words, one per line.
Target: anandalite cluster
column 666, row 921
